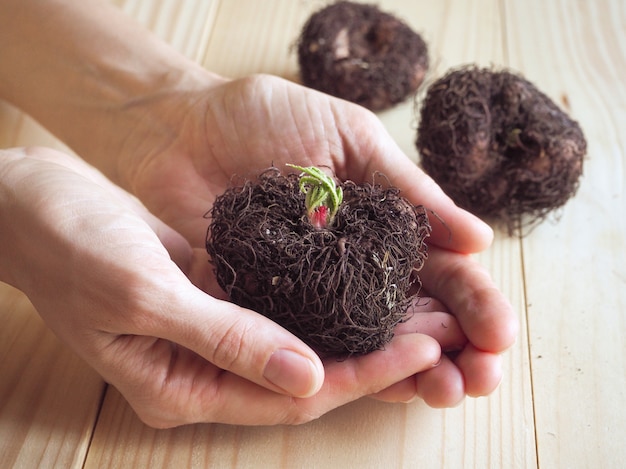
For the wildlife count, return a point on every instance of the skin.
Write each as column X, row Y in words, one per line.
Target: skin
column 114, row 260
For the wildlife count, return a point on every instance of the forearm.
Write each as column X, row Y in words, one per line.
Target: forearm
column 86, row 72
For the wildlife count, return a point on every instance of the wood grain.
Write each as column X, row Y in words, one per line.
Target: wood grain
column 575, row 267
column 49, row 398
column 561, row 402
column 184, row 25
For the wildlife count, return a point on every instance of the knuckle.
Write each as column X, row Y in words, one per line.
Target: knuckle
column 229, row 348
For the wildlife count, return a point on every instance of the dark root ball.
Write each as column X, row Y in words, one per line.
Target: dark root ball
column 361, row 54
column 341, row 289
column 499, row 146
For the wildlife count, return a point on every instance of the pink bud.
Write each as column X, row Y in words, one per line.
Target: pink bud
column 319, row 217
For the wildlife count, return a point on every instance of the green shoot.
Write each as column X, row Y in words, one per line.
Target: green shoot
column 323, row 196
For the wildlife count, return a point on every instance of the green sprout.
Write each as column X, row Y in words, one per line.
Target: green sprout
column 323, row 196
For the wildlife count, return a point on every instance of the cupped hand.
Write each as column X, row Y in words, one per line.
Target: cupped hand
column 205, row 137
column 100, row 270
column 238, row 128
column 473, row 323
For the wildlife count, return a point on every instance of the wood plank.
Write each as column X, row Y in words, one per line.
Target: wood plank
column 184, row 25
column 49, row 398
column 250, row 37
column 364, row 434
column 255, row 37
column 576, row 267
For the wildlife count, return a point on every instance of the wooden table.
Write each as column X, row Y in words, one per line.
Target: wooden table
column 562, row 403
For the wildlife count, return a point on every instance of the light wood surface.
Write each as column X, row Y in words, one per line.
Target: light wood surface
column 562, row 402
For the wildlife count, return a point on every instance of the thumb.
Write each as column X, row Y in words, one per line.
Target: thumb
column 247, row 344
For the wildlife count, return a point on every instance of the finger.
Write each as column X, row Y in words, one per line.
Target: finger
column 375, row 151
column 484, row 314
column 482, row 371
column 192, row 390
column 404, row 391
column 244, row 343
column 441, row 386
column 428, row 316
column 473, row 373
column 452, row 227
column 346, row 381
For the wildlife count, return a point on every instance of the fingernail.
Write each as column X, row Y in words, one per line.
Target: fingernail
column 295, row 374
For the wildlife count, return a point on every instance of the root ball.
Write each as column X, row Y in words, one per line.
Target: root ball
column 341, row 289
column 357, row 52
column 498, row 146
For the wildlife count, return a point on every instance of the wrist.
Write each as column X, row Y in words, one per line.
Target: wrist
column 92, row 76
column 142, row 119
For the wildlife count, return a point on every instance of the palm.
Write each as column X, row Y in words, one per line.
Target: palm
column 239, row 129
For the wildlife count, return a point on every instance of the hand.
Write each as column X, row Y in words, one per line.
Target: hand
column 473, row 327
column 174, row 135
column 97, row 267
column 241, row 127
